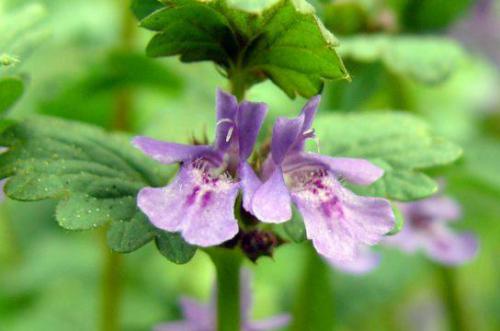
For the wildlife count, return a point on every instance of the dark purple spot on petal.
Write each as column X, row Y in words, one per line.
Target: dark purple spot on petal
column 332, row 208
column 205, row 199
column 191, row 198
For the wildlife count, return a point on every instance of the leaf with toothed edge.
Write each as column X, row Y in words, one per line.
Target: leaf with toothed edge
column 95, row 176
column 399, row 143
column 280, row 40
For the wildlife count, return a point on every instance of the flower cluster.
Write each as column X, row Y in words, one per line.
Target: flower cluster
column 200, row 202
column 426, row 229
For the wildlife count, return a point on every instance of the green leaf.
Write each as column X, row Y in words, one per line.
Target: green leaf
column 11, row 89
column 346, row 17
column 95, row 176
column 482, row 161
column 428, row 60
column 127, row 236
column 399, row 143
column 172, row 246
column 279, row 40
column 399, row 221
column 142, row 8
column 424, row 15
column 295, row 228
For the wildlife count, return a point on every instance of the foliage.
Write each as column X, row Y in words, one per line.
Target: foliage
column 280, row 40
column 399, row 143
column 429, row 60
column 96, row 177
column 11, row 89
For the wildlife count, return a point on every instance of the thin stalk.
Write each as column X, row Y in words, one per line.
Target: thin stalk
column 227, row 266
column 238, row 87
column 448, row 289
column 13, row 251
column 111, row 282
column 123, row 99
column 111, row 288
column 314, row 303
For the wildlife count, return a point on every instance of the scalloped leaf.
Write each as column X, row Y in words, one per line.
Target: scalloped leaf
column 94, row 175
column 400, row 143
column 281, row 40
column 428, row 60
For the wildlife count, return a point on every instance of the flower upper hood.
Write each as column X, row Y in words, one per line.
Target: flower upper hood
column 199, row 202
column 337, row 221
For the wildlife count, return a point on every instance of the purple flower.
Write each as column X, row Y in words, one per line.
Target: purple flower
column 2, row 181
column 199, row 202
column 479, row 30
column 202, row 317
column 365, row 262
column 337, row 221
column 426, row 228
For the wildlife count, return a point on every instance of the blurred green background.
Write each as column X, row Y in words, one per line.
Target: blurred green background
column 81, row 58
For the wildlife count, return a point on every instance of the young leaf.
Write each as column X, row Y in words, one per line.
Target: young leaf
column 399, row 143
column 295, row 228
column 11, row 89
column 428, row 60
column 94, row 175
column 174, row 248
column 281, row 40
column 142, row 8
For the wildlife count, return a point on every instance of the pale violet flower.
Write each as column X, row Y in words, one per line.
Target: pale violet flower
column 202, row 317
column 366, row 261
column 337, row 221
column 426, row 228
column 199, row 202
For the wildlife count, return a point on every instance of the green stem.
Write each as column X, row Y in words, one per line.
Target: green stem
column 123, row 98
column 8, row 235
column 111, row 285
column 238, row 84
column 314, row 303
column 448, row 287
column 111, row 288
column 227, row 266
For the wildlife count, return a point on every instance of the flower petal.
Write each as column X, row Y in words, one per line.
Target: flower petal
column 227, row 108
column 250, row 118
column 166, row 152
column 196, row 313
column 338, row 221
column 364, row 262
column 272, row 323
column 286, row 132
column 408, row 239
column 203, row 210
column 249, row 184
column 356, row 171
column 271, row 203
column 176, row 326
column 309, row 111
column 451, row 248
column 438, row 208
